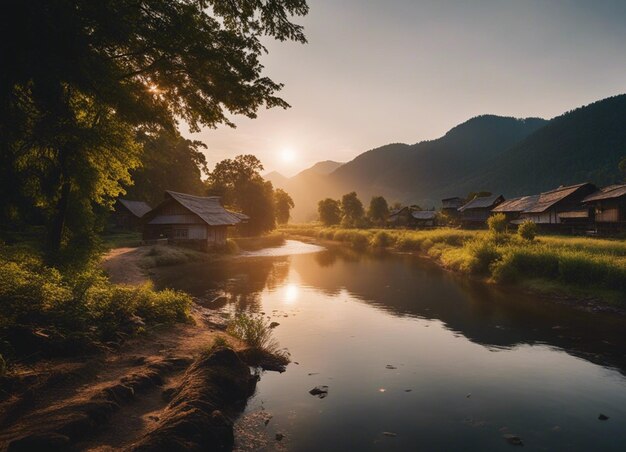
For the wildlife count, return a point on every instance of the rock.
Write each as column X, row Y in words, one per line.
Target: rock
column 279, row 436
column 389, row 366
column 407, row 390
column 513, row 440
column 468, row 396
column 390, row 434
column 274, row 324
column 603, row 417
column 319, row 391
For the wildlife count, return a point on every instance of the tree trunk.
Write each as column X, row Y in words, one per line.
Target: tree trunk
column 57, row 223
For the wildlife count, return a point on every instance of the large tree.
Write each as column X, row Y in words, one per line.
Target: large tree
column 378, row 210
column 79, row 77
column 239, row 183
column 283, row 205
column 352, row 209
column 329, row 211
column 170, row 162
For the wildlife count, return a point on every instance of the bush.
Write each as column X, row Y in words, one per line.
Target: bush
column 381, row 239
column 527, row 230
column 483, row 254
column 254, row 331
column 84, row 304
column 497, row 223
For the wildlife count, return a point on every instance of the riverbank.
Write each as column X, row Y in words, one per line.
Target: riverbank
column 106, row 362
column 589, row 273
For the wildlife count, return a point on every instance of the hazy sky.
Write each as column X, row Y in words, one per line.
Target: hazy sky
column 376, row 72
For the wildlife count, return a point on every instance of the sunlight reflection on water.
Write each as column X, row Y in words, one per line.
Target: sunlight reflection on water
column 291, row 247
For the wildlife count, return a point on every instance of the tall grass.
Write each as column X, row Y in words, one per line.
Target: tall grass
column 255, row 331
column 583, row 262
column 83, row 303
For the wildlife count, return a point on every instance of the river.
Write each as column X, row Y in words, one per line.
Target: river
column 416, row 358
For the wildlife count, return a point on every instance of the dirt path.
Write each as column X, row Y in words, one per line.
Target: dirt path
column 122, row 266
column 107, row 401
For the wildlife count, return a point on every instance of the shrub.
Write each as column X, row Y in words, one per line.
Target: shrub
column 527, row 230
column 497, row 223
column 254, row 331
column 381, row 239
column 483, row 253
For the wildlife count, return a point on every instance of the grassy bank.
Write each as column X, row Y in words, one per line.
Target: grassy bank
column 50, row 312
column 574, row 266
column 256, row 243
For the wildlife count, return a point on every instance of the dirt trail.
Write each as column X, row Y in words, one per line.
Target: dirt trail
column 122, row 266
column 107, row 401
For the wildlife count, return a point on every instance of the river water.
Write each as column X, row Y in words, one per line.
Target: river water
column 416, row 358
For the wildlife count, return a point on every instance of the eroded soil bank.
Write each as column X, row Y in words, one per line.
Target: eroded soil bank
column 163, row 390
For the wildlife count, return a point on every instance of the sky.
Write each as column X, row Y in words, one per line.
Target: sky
column 376, row 72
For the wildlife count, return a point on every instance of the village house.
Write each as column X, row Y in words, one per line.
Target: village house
column 423, row 218
column 411, row 217
column 513, row 208
column 450, row 206
column 477, row 211
column 127, row 214
column 190, row 220
column 561, row 205
column 608, row 206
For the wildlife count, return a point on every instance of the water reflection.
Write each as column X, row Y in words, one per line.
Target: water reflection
column 407, row 286
column 441, row 362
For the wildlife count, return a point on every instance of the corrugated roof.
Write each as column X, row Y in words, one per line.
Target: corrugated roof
column 208, row 208
column 452, row 202
column 610, row 192
column 481, row 203
column 549, row 198
column 517, row 204
column 137, row 208
column 424, row 214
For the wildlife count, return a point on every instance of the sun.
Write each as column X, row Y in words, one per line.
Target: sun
column 288, row 155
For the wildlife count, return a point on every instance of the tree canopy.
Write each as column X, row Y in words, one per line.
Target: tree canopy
column 282, row 205
column 81, row 78
column 329, row 211
column 352, row 209
column 378, row 210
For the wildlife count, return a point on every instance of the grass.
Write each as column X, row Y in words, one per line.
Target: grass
column 121, row 239
column 272, row 239
column 255, row 331
column 168, row 255
column 46, row 311
column 551, row 264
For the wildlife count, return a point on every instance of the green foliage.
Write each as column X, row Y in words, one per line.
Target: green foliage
column 37, row 296
column 254, row 331
column 527, row 230
column 378, row 210
column 238, row 181
column 78, row 87
column 382, row 239
column 483, row 253
column 169, row 162
column 352, row 209
column 497, row 223
column 219, row 341
column 329, row 211
column 282, row 205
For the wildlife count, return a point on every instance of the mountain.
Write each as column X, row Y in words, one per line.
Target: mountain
column 322, row 168
column 426, row 171
column 277, row 179
column 583, row 145
column 486, row 153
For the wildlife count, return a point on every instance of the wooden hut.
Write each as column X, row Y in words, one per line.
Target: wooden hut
column 423, row 218
column 513, row 208
column 608, row 207
column 127, row 214
column 561, row 205
column 477, row 211
column 185, row 219
column 450, row 206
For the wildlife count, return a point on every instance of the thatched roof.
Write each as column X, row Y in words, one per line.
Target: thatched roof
column 208, row 208
column 610, row 192
column 484, row 202
column 517, row 204
column 549, row 198
column 137, row 208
